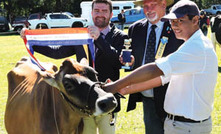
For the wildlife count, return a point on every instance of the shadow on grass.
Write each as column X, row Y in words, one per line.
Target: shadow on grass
column 9, row 33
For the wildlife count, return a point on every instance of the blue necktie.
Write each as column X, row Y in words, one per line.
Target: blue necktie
column 95, row 48
column 150, row 50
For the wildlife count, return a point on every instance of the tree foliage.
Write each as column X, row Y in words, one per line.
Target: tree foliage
column 12, row 8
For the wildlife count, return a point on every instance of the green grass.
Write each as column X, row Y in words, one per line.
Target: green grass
column 12, row 49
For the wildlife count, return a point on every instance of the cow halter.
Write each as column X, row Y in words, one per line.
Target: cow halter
column 86, row 110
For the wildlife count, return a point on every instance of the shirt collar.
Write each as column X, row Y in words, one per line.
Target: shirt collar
column 195, row 36
column 106, row 30
column 159, row 24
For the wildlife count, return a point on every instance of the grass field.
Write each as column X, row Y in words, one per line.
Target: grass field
column 12, row 49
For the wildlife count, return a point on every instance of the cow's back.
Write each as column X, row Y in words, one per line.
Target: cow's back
column 218, row 28
column 35, row 107
column 215, row 23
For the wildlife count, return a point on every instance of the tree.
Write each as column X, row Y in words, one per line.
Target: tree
column 26, row 7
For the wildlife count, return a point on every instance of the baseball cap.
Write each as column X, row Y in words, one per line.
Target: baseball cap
column 181, row 8
column 140, row 2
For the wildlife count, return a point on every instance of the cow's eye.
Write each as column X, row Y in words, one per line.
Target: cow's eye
column 67, row 85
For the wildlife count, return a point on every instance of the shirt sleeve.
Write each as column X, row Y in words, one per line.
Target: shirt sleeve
column 164, row 79
column 186, row 60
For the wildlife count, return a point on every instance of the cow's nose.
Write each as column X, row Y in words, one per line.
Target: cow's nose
column 107, row 103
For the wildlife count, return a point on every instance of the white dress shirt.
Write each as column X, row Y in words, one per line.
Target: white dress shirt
column 193, row 70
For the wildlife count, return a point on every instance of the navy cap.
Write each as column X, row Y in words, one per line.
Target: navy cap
column 181, row 8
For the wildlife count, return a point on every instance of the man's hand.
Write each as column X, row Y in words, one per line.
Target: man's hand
column 94, row 32
column 22, row 33
column 109, row 87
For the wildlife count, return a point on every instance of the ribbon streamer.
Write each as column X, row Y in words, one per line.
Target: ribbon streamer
column 56, row 37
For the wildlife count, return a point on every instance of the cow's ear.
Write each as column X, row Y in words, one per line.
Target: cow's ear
column 49, row 78
column 91, row 73
column 84, row 61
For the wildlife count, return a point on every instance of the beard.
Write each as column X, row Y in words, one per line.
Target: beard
column 101, row 22
column 152, row 19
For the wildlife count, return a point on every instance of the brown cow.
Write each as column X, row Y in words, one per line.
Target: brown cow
column 35, row 106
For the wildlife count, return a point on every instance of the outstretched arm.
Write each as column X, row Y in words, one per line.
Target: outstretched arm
column 139, row 87
column 141, row 74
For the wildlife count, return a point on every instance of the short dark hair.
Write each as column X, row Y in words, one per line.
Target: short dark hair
column 191, row 16
column 108, row 2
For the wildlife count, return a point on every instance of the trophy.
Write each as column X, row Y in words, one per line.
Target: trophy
column 126, row 53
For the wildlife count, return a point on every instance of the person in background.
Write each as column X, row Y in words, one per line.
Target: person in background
column 191, row 70
column 204, row 22
column 144, row 49
column 122, row 19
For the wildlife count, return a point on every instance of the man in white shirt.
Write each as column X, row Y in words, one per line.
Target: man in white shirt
column 191, row 70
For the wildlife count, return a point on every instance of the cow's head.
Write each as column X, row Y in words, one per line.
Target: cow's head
column 79, row 86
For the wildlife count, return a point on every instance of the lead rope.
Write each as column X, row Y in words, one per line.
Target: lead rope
column 56, row 123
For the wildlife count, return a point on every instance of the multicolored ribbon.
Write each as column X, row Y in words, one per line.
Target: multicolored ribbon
column 60, row 36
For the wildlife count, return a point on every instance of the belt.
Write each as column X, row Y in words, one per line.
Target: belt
column 183, row 119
